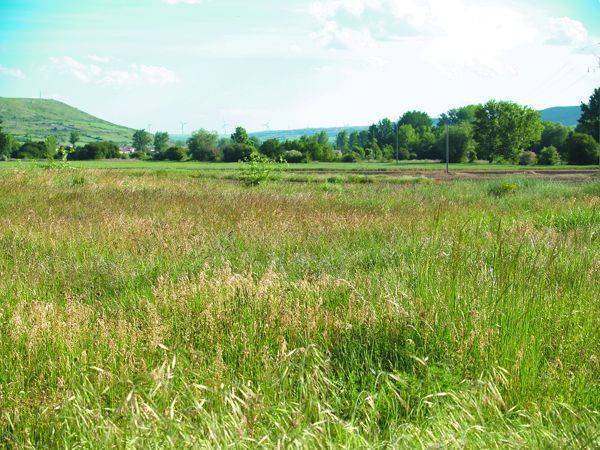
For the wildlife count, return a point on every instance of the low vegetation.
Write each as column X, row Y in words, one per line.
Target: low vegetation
column 157, row 309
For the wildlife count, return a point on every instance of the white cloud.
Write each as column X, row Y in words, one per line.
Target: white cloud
column 327, row 9
column 566, row 31
column 332, row 35
column 115, row 77
column 452, row 34
column 100, row 59
column 11, row 72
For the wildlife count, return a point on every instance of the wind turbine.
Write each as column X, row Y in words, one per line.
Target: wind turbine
column 225, row 125
column 183, row 124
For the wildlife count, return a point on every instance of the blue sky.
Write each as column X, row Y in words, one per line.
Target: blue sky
column 295, row 63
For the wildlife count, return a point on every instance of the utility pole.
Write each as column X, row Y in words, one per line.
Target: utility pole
column 447, row 150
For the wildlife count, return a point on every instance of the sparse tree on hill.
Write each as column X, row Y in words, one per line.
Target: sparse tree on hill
column 74, row 138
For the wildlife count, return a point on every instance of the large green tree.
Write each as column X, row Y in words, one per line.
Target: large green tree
column 505, row 130
column 456, row 116
column 590, row 116
column 554, row 135
column 161, row 141
column 203, row 145
column 141, row 141
column 417, row 119
column 342, row 142
column 240, row 136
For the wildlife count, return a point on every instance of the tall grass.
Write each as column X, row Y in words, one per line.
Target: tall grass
column 145, row 310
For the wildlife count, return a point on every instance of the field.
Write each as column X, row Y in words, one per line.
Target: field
column 162, row 306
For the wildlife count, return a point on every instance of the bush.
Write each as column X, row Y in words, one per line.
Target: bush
column 31, row 150
column 350, row 157
column 96, row 150
column 502, row 189
column 236, row 152
column 293, row 156
column 549, row 156
column 581, row 149
column 256, row 169
column 175, row 154
column 527, row 159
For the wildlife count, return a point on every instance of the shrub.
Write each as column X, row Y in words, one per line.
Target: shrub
column 96, row 150
column 236, row 152
column 175, row 153
column 502, row 189
column 527, row 159
column 256, row 169
column 31, row 150
column 549, row 156
column 293, row 156
column 350, row 157
column 581, row 149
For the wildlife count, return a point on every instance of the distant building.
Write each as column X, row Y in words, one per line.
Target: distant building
column 127, row 150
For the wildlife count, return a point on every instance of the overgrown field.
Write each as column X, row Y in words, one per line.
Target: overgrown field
column 164, row 310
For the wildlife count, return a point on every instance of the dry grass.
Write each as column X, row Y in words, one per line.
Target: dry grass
column 159, row 310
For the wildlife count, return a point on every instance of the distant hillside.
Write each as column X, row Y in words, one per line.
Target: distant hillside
column 27, row 118
column 567, row 115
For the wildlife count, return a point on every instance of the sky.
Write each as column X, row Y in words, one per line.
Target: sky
column 281, row 64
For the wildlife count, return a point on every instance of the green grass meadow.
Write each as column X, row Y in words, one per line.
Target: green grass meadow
column 166, row 309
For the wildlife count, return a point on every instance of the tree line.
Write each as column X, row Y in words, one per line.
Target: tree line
column 497, row 131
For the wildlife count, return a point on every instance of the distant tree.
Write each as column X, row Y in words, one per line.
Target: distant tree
column 342, row 142
column 461, row 142
column 407, row 141
column 354, row 140
column 582, row 148
column 175, row 153
column 293, row 156
column 456, row 116
column 549, row 156
column 31, row 150
column 235, row 152
column 51, row 146
column 240, row 136
column 96, row 150
column 528, row 159
column 271, row 148
column 505, row 130
column 554, row 135
column 141, row 141
column 417, row 119
column 203, row 145
column 590, row 115
column 74, row 138
column 322, row 138
column 7, row 143
column 425, row 147
column 161, row 141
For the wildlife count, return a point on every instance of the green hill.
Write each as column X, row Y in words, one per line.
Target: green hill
column 567, row 115
column 34, row 119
